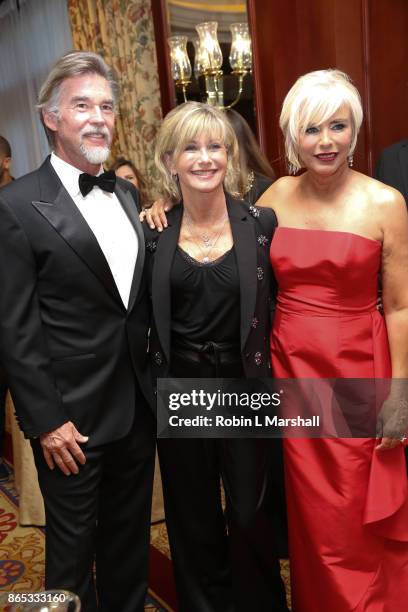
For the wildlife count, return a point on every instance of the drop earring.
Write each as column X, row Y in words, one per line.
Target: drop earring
column 350, row 161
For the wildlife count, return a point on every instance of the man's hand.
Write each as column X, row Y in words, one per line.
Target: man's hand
column 60, row 447
column 156, row 215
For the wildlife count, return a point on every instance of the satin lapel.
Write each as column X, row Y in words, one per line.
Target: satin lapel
column 129, row 205
column 61, row 212
column 403, row 158
column 161, row 291
column 243, row 232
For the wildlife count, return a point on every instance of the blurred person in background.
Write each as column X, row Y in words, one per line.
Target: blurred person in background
column 125, row 169
column 5, row 162
column 392, row 167
column 256, row 173
column 5, row 178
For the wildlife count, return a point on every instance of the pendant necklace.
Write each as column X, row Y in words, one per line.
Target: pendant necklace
column 208, row 241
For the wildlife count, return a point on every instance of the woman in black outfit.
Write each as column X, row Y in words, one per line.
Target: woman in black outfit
column 210, row 287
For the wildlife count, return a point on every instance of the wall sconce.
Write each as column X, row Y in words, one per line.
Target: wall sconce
column 208, row 60
column 180, row 63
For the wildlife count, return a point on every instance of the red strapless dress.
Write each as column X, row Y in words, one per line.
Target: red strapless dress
column 347, row 503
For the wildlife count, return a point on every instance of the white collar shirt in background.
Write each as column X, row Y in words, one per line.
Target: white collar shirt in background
column 108, row 222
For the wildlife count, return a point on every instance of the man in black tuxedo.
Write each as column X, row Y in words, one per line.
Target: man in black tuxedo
column 74, row 317
column 392, row 167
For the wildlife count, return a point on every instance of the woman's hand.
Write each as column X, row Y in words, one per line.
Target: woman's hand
column 392, row 423
column 155, row 215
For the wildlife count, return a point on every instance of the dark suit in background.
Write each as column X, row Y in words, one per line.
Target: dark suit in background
column 73, row 352
column 392, row 167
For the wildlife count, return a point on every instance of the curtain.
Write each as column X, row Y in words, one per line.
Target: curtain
column 32, row 38
column 122, row 32
column 30, row 502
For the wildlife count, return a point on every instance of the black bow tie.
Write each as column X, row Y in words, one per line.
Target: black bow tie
column 105, row 181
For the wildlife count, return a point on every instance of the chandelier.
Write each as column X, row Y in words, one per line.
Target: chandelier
column 208, row 61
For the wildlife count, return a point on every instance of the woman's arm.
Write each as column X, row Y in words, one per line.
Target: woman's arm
column 395, row 301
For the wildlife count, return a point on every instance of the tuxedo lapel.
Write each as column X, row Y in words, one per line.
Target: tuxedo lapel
column 243, row 232
column 130, row 208
column 57, row 207
column 403, row 160
column 161, row 291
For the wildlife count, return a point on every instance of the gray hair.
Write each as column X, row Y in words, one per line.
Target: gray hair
column 74, row 63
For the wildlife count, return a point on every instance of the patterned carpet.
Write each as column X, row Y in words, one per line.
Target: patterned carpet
column 22, row 558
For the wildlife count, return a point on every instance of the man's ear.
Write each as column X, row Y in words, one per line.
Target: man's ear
column 6, row 163
column 50, row 120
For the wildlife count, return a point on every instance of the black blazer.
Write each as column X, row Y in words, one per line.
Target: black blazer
column 392, row 167
column 70, row 348
column 252, row 230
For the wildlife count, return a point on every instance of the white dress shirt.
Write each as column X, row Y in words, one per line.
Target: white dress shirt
column 108, row 222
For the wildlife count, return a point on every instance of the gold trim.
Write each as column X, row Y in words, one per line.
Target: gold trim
column 205, row 6
column 160, row 600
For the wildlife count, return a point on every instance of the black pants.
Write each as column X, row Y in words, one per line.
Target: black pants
column 102, row 514
column 215, row 572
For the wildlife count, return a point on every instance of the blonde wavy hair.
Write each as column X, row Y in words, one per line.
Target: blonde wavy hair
column 184, row 124
column 314, row 98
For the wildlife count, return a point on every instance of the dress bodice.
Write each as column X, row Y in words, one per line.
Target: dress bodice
column 327, row 297
column 325, row 272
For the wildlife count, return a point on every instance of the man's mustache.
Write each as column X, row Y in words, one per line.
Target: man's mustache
column 97, row 132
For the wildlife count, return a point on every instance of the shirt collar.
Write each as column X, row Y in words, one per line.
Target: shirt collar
column 68, row 175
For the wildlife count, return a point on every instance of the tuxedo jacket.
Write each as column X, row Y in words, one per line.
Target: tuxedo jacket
column 70, row 348
column 392, row 167
column 252, row 229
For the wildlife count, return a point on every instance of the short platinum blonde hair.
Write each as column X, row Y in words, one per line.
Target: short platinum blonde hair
column 72, row 64
column 184, row 124
column 314, row 98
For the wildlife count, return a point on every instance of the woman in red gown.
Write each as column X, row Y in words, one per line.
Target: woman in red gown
column 347, row 498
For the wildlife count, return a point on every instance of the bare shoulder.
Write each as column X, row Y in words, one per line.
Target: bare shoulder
column 278, row 192
column 382, row 202
column 386, row 206
column 381, row 195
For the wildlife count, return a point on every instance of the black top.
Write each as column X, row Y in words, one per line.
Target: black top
column 252, row 230
column 205, row 298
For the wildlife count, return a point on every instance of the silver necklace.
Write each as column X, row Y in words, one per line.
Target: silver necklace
column 208, row 241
